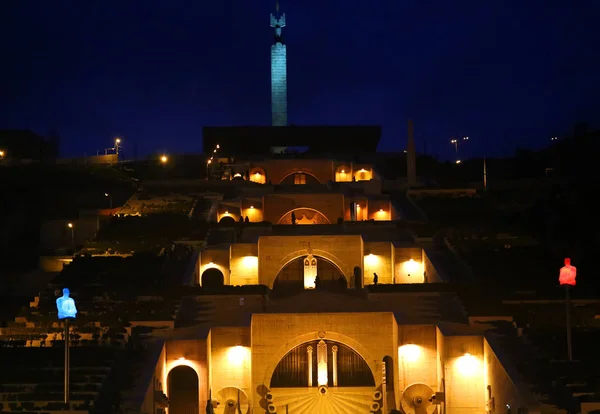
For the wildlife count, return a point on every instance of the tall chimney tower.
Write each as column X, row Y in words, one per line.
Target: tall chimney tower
column 411, row 156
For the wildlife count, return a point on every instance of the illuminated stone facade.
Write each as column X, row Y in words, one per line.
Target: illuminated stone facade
column 355, row 260
column 340, row 363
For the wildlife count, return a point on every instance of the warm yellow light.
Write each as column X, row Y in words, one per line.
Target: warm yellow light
column 226, row 213
column 412, row 266
column 211, row 264
column 458, row 161
column 371, row 260
column 358, row 206
column 251, row 207
column 164, row 159
column 181, row 358
column 381, row 210
column 237, row 175
column 1, row 153
column 467, row 365
column 343, row 171
column 209, row 161
column 250, row 262
column 218, row 146
column 237, row 355
column 409, row 353
column 70, row 225
column 362, row 170
column 105, row 194
column 257, row 174
column 118, row 140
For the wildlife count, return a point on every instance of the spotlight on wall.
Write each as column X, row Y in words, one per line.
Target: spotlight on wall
column 467, row 365
column 409, row 353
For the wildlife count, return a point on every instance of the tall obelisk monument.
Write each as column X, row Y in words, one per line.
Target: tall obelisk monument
column 278, row 71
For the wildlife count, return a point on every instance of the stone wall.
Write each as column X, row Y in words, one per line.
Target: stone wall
column 274, row 252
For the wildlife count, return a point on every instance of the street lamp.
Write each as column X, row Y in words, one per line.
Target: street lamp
column 1, row 154
column 208, row 168
column 72, row 227
column 164, row 159
column 117, row 144
column 109, row 200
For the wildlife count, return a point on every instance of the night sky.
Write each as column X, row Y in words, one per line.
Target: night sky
column 506, row 73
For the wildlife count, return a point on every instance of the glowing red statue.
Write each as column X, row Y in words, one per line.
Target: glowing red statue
column 568, row 273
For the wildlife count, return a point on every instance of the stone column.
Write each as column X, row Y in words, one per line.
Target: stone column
column 309, row 351
column 334, row 351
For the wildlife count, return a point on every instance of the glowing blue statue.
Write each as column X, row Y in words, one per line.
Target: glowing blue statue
column 66, row 306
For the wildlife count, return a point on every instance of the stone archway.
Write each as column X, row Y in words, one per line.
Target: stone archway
column 317, row 253
column 212, row 278
column 288, row 178
column 304, row 215
column 314, row 336
column 183, row 390
column 290, row 277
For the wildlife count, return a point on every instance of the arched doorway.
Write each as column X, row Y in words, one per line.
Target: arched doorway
column 390, row 396
column 183, row 390
column 291, row 278
column 212, row 278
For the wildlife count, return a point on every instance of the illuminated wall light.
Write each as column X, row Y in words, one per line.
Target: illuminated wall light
column 381, row 210
column 251, row 207
column 250, row 262
column 409, row 353
column 226, row 213
column 237, row 355
column 467, row 365
column 182, row 358
column 210, row 264
column 412, row 267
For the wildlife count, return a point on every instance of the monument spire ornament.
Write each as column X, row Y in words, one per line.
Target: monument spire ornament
column 278, row 71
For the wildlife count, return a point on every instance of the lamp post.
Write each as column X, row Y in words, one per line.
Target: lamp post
column 566, row 278
column 109, row 200
column 117, row 145
column 66, row 310
column 208, row 168
column 72, row 227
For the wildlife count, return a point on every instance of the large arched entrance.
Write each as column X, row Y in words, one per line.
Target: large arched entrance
column 183, row 390
column 212, row 278
column 300, row 274
column 324, row 376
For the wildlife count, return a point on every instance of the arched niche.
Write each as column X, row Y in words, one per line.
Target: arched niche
column 212, row 278
column 258, row 175
column 304, row 215
column 183, row 390
column 300, row 177
column 343, row 173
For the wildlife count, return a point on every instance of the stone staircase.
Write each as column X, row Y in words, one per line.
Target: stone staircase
column 407, row 208
column 531, row 370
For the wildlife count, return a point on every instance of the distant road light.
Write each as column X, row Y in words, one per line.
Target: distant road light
column 164, row 159
column 458, row 161
column 554, row 139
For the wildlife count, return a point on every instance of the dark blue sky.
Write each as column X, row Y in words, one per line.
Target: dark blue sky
column 506, row 73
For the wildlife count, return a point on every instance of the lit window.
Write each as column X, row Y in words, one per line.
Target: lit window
column 299, row 179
